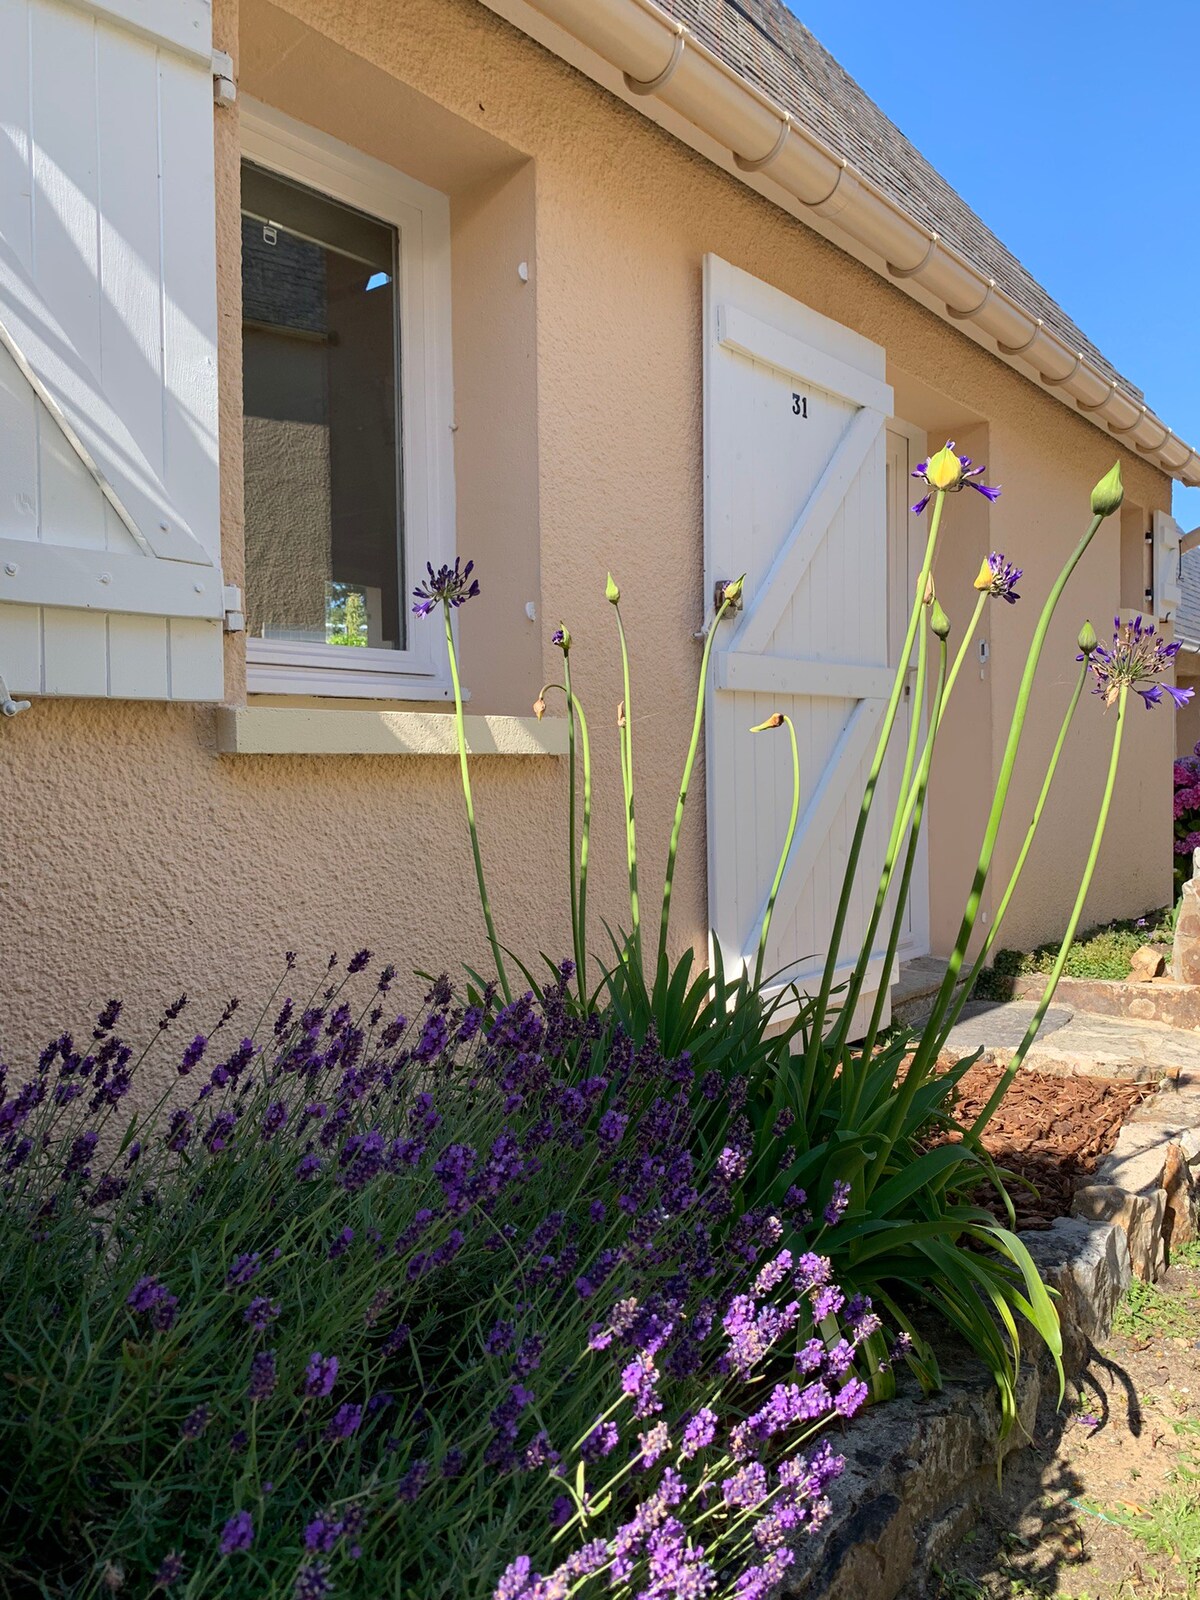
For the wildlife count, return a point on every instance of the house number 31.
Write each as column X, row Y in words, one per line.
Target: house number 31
column 800, row 405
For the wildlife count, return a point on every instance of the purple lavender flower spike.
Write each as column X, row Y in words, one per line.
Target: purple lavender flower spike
column 313, row 1581
column 447, row 586
column 320, row 1375
column 237, row 1534
column 838, row 1201
column 261, row 1384
column 169, row 1572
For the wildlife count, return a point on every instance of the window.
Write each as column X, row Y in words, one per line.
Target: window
column 346, row 408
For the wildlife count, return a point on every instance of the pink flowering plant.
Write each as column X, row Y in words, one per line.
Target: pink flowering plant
column 370, row 1305
column 1187, row 815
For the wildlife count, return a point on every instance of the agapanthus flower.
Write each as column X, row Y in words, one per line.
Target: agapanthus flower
column 999, row 578
column 1137, row 659
column 237, row 1534
column 949, row 472
column 447, row 586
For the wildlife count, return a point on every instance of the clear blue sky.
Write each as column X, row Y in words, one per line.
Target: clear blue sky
column 1072, row 129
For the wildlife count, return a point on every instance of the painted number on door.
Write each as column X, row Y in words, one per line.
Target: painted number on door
column 800, row 405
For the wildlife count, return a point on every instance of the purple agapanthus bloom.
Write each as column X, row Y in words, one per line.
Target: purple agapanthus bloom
column 447, row 586
column 999, row 578
column 966, row 481
column 1137, row 659
column 237, row 1534
column 320, row 1375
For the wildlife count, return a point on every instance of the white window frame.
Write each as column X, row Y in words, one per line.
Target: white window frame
column 421, row 217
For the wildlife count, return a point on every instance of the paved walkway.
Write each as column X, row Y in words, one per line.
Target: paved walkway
column 1078, row 1041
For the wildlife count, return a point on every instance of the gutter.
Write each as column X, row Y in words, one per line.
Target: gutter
column 663, row 65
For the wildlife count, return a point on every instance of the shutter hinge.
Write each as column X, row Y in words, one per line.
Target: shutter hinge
column 8, row 706
column 235, row 616
column 224, row 87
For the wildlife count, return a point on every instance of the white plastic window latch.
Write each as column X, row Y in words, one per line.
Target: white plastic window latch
column 235, row 615
column 224, row 86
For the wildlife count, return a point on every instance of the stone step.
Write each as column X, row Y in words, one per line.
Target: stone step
column 1079, row 1042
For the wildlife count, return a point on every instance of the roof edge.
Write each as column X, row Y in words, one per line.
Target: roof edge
column 662, row 64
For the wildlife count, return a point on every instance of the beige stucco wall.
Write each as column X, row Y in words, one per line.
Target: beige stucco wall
column 144, row 863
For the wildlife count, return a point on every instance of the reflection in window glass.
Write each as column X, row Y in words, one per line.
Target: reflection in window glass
column 322, row 461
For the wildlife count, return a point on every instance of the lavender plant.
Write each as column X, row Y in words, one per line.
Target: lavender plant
column 320, row 1324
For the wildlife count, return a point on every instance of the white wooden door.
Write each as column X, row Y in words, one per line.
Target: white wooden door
column 795, row 408
column 906, row 445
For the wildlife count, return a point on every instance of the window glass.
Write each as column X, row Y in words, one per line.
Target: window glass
column 322, row 460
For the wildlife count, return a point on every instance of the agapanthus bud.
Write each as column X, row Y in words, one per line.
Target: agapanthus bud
column 945, row 469
column 561, row 637
column 539, row 708
column 611, row 593
column 1087, row 639
column 939, row 621
column 732, row 592
column 776, row 721
column 1108, row 493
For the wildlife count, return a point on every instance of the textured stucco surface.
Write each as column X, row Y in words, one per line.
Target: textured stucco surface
column 138, row 861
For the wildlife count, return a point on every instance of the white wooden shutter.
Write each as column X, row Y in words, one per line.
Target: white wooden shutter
column 110, row 578
column 1166, row 594
column 795, row 496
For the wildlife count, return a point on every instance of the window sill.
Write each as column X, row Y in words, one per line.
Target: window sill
column 284, row 731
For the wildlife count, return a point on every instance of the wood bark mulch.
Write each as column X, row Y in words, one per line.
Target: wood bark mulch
column 1052, row 1131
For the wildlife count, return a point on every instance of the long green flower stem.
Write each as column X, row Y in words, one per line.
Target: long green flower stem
column 849, row 1003
column 968, row 984
column 1064, row 949
column 578, row 894
column 926, row 1050
column 904, row 810
column 689, row 763
column 461, row 729
column 916, row 812
column 817, row 1024
column 784, row 854
column 579, row 899
column 626, row 733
